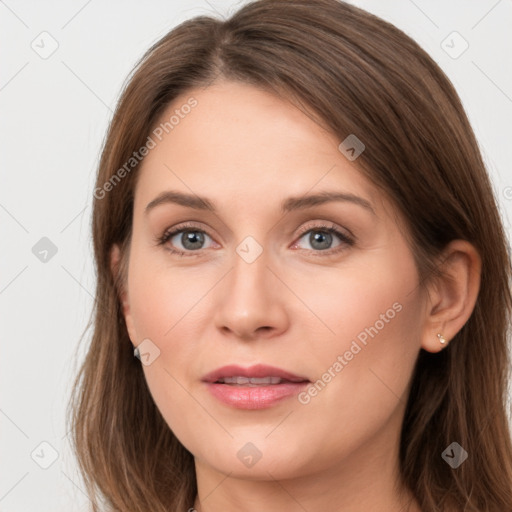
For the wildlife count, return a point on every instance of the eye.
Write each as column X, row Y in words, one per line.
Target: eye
column 320, row 239
column 191, row 238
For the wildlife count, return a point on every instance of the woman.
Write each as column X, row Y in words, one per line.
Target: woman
column 294, row 229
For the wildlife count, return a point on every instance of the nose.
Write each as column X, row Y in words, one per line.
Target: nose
column 250, row 301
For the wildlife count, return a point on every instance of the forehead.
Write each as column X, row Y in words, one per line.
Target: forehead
column 238, row 141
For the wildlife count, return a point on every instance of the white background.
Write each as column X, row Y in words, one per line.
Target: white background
column 54, row 116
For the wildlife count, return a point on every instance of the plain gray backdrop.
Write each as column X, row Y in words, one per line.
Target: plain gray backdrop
column 62, row 68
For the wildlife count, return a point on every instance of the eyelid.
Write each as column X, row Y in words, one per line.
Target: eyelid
column 328, row 225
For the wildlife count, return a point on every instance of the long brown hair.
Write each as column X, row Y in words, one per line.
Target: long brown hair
column 358, row 75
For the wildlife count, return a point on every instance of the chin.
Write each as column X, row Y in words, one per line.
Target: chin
column 256, row 460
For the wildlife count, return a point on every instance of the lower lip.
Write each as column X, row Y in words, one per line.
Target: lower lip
column 256, row 397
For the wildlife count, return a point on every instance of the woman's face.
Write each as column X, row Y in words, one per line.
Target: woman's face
column 263, row 281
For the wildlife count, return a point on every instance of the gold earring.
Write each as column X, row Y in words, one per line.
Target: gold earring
column 441, row 338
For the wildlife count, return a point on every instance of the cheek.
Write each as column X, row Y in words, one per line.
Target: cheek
column 364, row 366
column 162, row 307
column 163, row 298
column 368, row 298
column 167, row 306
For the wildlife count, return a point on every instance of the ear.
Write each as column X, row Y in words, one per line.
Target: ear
column 115, row 267
column 452, row 297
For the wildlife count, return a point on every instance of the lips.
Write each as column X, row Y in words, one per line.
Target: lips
column 254, row 375
column 250, row 381
column 256, row 387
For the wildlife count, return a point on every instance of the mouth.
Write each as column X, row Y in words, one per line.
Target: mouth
column 256, row 387
column 259, row 374
column 252, row 381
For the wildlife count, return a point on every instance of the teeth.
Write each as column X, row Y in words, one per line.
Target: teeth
column 255, row 381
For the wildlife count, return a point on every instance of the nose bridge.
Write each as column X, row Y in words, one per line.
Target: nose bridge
column 250, row 272
column 249, row 280
column 249, row 297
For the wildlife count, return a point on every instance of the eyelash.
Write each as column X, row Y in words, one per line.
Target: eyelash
column 345, row 239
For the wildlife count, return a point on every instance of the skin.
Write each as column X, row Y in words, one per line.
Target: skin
column 294, row 307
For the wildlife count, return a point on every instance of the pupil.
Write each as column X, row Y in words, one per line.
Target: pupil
column 192, row 237
column 324, row 239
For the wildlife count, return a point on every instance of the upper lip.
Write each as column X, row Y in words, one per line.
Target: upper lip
column 257, row 371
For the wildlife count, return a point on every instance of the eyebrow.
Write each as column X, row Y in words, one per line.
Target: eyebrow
column 292, row 203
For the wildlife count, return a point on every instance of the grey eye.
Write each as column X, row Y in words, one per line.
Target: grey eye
column 190, row 240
